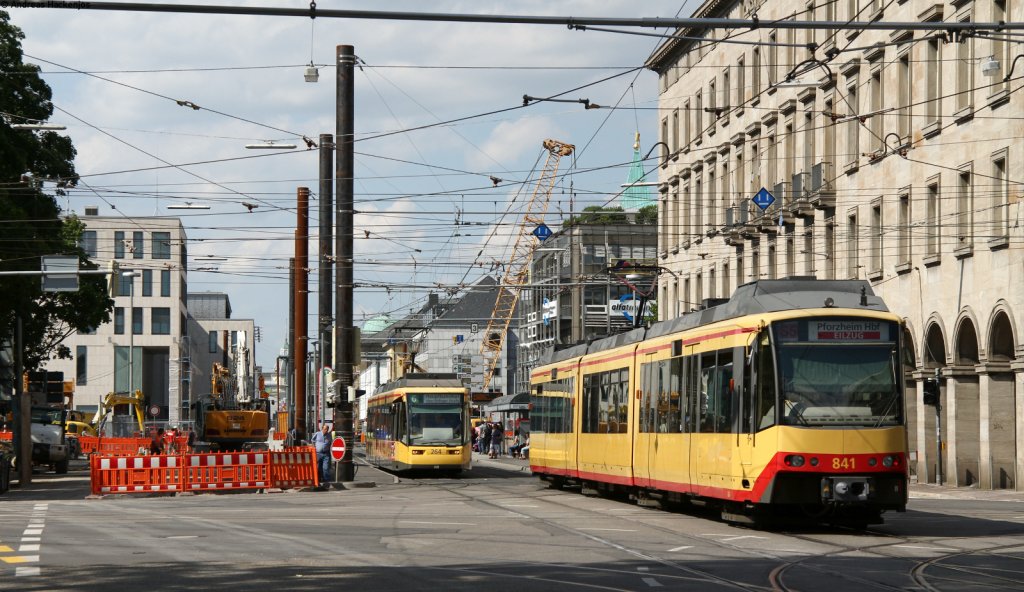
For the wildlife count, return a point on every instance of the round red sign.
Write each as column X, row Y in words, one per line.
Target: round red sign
column 338, row 448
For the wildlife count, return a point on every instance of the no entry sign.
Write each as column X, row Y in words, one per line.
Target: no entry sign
column 338, row 448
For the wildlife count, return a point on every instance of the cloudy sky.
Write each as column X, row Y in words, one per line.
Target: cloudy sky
column 426, row 203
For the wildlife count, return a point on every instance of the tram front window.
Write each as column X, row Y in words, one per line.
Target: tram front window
column 846, row 380
column 434, row 422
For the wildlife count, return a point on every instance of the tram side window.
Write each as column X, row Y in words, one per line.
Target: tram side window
column 764, row 382
column 716, row 394
column 691, row 408
column 648, row 398
column 401, row 423
column 605, row 402
column 551, row 407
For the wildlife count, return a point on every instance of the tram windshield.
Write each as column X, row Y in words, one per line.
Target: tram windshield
column 436, row 419
column 839, row 372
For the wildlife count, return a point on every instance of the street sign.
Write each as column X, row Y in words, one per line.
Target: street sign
column 338, row 448
column 154, row 410
column 763, row 199
column 542, row 232
column 60, row 274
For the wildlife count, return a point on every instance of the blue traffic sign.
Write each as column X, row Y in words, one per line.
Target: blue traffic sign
column 763, row 199
column 542, row 232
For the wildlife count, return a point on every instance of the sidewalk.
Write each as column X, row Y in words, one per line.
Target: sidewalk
column 917, row 490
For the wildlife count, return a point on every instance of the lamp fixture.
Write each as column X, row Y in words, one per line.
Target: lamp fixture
column 312, row 73
column 39, row 126
column 990, row 66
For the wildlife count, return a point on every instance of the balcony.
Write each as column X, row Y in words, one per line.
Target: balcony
column 821, row 193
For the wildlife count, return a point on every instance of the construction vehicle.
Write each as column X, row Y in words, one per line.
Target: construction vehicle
column 231, row 416
column 136, row 403
column 517, row 269
column 49, row 439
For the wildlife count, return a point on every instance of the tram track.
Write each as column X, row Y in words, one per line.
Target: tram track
column 777, row 577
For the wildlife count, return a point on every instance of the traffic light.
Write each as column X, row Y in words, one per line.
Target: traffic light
column 931, row 391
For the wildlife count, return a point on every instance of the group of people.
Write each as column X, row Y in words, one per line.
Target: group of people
column 489, row 438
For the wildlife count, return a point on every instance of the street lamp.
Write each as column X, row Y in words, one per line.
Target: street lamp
column 131, row 328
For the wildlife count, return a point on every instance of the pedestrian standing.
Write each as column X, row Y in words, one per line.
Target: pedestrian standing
column 322, row 443
column 497, row 435
column 485, row 438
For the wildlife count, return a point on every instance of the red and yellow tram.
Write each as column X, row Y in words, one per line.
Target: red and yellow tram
column 785, row 400
column 419, row 422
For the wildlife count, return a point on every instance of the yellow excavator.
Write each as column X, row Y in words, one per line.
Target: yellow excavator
column 229, row 422
column 134, row 400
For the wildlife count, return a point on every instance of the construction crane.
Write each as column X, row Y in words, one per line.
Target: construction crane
column 518, row 267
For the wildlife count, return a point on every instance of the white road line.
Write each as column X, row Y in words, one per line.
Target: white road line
column 925, row 548
column 516, row 506
column 32, row 531
column 653, row 583
column 450, row 523
column 680, row 548
column 26, row 571
column 643, row 569
column 25, row 539
column 609, row 529
column 737, row 538
column 26, row 548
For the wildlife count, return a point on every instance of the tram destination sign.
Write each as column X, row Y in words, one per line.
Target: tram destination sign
column 435, row 398
column 848, row 330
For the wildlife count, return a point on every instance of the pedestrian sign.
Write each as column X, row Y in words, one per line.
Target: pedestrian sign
column 542, row 232
column 763, row 199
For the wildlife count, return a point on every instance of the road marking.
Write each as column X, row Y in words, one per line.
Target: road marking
column 653, row 583
column 643, row 569
column 21, row 559
column 32, row 531
column 26, row 571
column 925, row 548
column 27, row 548
column 737, row 538
column 680, row 548
column 517, row 506
column 6, row 549
column 609, row 529
column 183, row 536
column 450, row 523
column 30, row 539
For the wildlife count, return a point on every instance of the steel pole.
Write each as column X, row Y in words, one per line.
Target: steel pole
column 24, row 410
column 326, row 249
column 344, row 173
column 301, row 290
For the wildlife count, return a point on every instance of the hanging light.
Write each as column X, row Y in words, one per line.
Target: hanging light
column 312, row 73
column 990, row 66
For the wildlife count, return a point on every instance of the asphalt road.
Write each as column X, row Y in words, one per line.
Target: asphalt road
column 493, row 529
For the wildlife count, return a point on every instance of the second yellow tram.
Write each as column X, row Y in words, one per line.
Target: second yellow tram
column 419, row 422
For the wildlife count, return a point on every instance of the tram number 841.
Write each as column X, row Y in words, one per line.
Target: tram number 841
column 844, row 463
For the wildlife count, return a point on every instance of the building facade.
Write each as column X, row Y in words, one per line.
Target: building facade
column 891, row 156
column 145, row 345
column 571, row 296
column 215, row 337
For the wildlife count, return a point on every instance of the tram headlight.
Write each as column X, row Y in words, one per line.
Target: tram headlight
column 888, row 461
column 872, row 461
column 814, row 461
column 842, row 487
column 794, row 460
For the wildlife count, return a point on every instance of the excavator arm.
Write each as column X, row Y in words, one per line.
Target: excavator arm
column 111, row 400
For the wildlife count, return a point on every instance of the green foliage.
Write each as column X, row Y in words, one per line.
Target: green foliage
column 30, row 222
column 647, row 215
column 593, row 215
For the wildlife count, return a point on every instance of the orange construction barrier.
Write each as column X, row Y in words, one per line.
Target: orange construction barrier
column 112, row 446
column 140, row 474
column 227, row 470
column 294, row 467
column 215, row 471
column 6, row 436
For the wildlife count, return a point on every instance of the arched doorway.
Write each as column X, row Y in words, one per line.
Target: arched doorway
column 933, row 357
column 962, row 396
column 910, row 397
column 998, row 388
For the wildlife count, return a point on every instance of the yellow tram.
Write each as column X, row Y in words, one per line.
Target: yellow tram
column 784, row 401
column 419, row 422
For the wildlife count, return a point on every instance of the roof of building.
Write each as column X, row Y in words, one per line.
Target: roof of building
column 208, row 305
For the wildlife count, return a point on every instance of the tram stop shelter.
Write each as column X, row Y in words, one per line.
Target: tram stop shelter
column 513, row 411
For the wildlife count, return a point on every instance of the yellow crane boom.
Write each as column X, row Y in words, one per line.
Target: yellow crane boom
column 518, row 267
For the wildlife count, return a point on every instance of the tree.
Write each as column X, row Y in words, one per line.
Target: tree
column 30, row 221
column 647, row 215
column 597, row 215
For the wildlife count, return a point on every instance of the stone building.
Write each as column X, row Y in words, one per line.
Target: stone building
column 892, row 156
